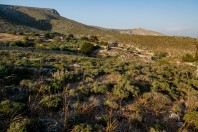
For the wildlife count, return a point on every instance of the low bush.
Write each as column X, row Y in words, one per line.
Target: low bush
column 84, row 38
column 39, row 40
column 188, row 58
column 100, row 89
column 27, row 84
column 19, row 125
column 111, row 104
column 52, row 102
column 103, row 43
column 93, row 39
column 12, row 32
column 25, row 38
column 16, row 44
column 82, row 128
column 8, row 108
column 49, row 35
column 86, row 48
column 159, row 55
column 53, row 46
column 192, row 119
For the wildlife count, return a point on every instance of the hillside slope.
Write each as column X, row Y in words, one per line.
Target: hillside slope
column 140, row 31
column 31, row 19
column 46, row 19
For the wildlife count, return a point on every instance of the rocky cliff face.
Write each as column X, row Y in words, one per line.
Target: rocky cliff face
column 38, row 18
column 37, row 13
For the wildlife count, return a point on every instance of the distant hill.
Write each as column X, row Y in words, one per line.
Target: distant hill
column 22, row 18
column 140, row 31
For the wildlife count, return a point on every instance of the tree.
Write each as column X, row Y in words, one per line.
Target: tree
column 86, row 47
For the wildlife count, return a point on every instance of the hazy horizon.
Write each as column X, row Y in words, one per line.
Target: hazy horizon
column 170, row 17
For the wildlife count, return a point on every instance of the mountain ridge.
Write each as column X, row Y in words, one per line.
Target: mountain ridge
column 48, row 19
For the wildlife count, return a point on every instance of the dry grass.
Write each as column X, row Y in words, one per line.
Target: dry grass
column 4, row 37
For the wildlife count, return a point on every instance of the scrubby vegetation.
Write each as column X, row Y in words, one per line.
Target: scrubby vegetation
column 66, row 76
column 57, row 41
column 86, row 47
column 62, row 92
column 190, row 58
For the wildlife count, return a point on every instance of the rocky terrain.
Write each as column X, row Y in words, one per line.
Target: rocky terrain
column 63, row 76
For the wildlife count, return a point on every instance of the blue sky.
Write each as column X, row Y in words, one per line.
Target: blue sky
column 172, row 17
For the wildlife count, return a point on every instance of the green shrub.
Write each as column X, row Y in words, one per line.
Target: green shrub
column 16, row 43
column 86, row 47
column 40, row 46
column 188, row 58
column 12, row 32
column 72, row 92
column 49, row 35
column 19, row 125
column 120, row 93
column 104, row 43
column 25, row 38
column 82, row 128
column 84, row 38
column 111, row 104
column 192, row 118
column 134, row 91
column 39, row 40
column 53, row 46
column 83, row 92
column 71, row 36
column 8, row 107
column 34, row 34
column 13, row 75
column 122, row 89
column 52, row 102
column 93, row 39
column 27, row 84
column 101, row 89
column 160, row 55
column 196, row 56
